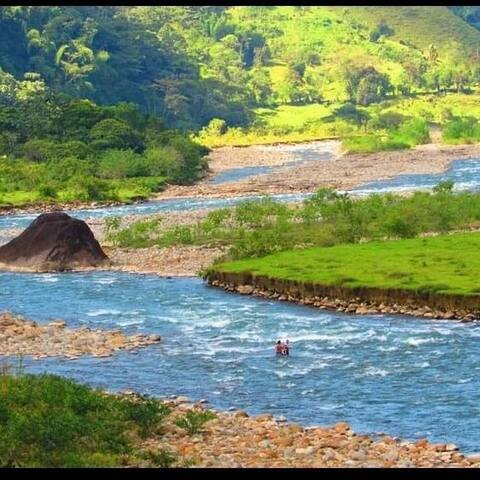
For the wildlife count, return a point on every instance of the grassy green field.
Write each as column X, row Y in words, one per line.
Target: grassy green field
column 447, row 264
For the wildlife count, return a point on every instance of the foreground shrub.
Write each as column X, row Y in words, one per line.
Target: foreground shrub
column 194, row 420
column 146, row 413
column 49, row 421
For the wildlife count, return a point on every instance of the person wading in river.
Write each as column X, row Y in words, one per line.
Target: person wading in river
column 282, row 348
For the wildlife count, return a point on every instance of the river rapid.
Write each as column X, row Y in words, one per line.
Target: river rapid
column 412, row 378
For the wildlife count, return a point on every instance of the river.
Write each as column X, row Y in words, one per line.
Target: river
column 408, row 377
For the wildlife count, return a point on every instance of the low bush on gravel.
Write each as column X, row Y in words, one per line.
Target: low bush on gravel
column 193, row 421
column 258, row 228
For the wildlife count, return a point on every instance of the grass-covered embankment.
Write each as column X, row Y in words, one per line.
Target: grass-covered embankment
column 439, row 271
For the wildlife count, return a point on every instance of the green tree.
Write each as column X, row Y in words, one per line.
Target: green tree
column 260, row 85
column 115, row 134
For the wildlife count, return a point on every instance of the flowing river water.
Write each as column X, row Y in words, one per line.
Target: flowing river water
column 408, row 377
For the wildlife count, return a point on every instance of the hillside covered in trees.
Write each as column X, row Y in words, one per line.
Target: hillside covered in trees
column 102, row 102
column 189, row 65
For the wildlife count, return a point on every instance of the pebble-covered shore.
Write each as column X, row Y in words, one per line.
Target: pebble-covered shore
column 174, row 261
column 23, row 337
column 341, row 172
column 235, row 439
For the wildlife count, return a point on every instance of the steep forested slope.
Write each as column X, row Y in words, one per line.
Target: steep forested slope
column 189, row 65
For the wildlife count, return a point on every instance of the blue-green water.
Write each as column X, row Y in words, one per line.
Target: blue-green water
column 409, row 377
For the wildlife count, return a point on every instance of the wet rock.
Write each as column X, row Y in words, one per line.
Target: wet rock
column 245, row 289
column 241, row 414
column 451, row 447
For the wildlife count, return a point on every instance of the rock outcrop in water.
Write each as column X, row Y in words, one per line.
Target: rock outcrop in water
column 53, row 242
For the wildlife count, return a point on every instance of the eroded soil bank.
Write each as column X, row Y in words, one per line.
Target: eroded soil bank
column 351, row 300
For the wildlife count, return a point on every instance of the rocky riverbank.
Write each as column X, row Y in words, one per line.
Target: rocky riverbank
column 226, row 158
column 341, row 172
column 23, row 337
column 406, row 304
column 235, row 439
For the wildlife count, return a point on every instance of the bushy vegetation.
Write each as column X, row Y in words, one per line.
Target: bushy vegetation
column 193, row 420
column 49, row 421
column 462, row 130
column 410, row 133
column 63, row 149
column 445, row 264
column 258, row 228
column 223, row 75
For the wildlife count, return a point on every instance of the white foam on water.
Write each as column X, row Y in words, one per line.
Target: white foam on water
column 211, row 350
column 320, row 365
column 254, row 337
column 106, row 281
column 306, row 392
column 337, row 337
column 422, row 365
column 332, row 406
column 443, row 331
column 213, row 323
column 415, row 342
column 125, row 323
column 103, row 311
column 313, row 337
column 374, row 372
column 47, row 278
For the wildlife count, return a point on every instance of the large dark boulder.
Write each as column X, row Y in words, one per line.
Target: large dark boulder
column 54, row 241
